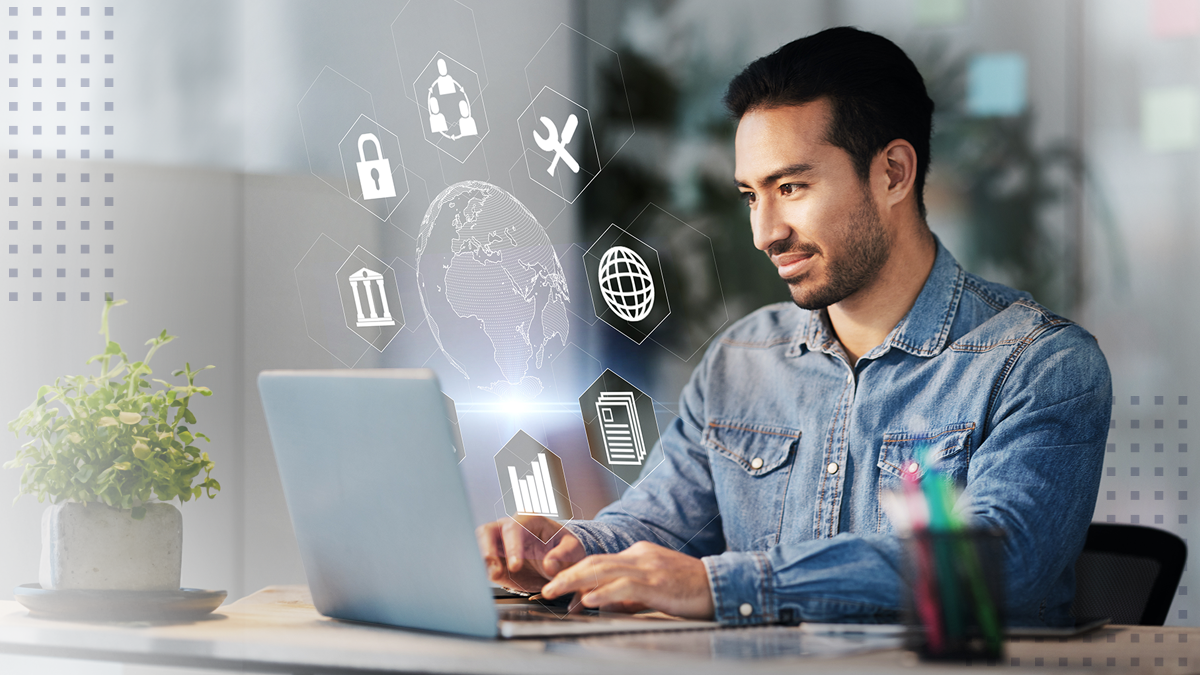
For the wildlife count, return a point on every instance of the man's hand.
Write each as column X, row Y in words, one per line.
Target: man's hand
column 516, row 555
column 642, row 576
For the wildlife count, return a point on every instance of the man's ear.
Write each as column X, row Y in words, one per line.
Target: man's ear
column 899, row 160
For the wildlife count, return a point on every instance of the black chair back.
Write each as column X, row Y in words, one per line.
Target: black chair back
column 1128, row 573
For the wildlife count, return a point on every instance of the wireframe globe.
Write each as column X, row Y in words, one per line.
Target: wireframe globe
column 626, row 284
column 493, row 290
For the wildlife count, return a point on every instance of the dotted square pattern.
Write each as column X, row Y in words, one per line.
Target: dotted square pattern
column 61, row 96
column 1147, row 476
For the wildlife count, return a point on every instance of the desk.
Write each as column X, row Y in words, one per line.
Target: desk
column 276, row 630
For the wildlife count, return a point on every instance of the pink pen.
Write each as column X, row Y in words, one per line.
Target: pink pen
column 923, row 594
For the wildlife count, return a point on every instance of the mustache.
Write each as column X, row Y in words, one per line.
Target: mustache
column 782, row 247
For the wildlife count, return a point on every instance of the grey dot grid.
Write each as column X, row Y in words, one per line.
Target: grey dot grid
column 56, row 83
column 1171, row 649
column 1147, row 474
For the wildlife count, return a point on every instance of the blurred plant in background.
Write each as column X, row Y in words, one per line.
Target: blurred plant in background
column 680, row 159
column 1021, row 220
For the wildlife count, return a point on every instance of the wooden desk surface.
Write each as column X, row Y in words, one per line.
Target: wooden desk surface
column 278, row 630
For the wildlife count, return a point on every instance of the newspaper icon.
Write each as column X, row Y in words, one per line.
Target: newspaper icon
column 622, row 431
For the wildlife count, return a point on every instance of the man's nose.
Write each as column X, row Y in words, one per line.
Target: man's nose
column 768, row 225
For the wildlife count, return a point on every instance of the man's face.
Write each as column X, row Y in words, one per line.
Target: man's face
column 808, row 210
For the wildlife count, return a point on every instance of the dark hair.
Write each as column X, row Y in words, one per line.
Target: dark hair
column 875, row 91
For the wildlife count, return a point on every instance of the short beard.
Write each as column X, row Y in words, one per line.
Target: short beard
column 866, row 250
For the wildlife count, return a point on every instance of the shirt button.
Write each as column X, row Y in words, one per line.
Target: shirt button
column 756, row 464
column 746, row 609
column 832, row 468
column 912, row 468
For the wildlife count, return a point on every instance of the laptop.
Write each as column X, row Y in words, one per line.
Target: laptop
column 371, row 478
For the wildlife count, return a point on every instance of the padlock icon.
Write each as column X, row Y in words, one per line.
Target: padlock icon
column 375, row 175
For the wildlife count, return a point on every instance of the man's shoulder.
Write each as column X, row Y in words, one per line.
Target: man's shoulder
column 991, row 314
column 766, row 327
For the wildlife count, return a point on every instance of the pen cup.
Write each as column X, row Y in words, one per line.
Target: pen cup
column 954, row 594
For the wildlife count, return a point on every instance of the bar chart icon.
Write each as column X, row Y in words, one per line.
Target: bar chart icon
column 534, row 493
column 532, row 480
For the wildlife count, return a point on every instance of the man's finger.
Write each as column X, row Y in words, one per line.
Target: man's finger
column 616, row 592
column 588, row 574
column 491, row 547
column 568, row 580
column 515, row 542
column 566, row 553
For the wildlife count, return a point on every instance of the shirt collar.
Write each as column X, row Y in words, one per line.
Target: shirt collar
column 924, row 329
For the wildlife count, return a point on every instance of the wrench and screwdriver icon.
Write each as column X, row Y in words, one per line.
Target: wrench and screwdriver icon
column 556, row 145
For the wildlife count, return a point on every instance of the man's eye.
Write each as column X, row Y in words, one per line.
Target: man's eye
column 748, row 197
column 790, row 188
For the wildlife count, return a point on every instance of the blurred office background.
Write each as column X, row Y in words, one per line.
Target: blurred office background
column 1067, row 136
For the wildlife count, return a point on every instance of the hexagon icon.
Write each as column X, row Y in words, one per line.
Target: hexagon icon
column 560, row 148
column 321, row 301
column 374, row 167
column 332, row 103
column 460, row 450
column 626, row 282
column 689, row 265
column 450, row 104
column 370, row 298
column 546, row 69
column 621, row 427
column 532, row 481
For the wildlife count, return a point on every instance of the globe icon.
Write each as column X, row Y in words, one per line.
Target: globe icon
column 626, row 284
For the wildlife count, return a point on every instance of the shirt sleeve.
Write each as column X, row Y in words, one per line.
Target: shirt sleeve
column 1035, row 476
column 674, row 504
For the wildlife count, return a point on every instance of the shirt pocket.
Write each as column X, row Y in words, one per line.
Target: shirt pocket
column 758, row 448
column 751, row 466
column 947, row 450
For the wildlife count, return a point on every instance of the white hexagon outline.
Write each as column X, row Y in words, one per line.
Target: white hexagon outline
column 399, row 167
column 525, row 150
column 592, row 453
column 503, row 508
column 716, row 269
column 583, row 351
column 593, row 319
column 500, row 514
column 304, row 317
column 616, row 57
column 422, row 111
column 657, row 259
column 304, row 138
column 337, row 277
column 620, row 501
column 478, row 45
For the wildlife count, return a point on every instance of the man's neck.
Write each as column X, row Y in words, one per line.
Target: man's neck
column 863, row 320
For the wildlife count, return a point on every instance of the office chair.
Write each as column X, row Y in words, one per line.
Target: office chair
column 1129, row 573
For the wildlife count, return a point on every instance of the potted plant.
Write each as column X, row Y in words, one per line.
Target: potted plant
column 110, row 451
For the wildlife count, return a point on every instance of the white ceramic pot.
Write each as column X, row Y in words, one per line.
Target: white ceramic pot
column 95, row 546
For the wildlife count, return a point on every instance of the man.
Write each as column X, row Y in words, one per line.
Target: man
column 766, row 507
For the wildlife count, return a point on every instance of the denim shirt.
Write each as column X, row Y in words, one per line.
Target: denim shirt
column 772, row 473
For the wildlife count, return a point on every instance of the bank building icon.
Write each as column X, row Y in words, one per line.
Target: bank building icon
column 365, row 277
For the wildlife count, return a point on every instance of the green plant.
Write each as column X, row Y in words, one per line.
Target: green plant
column 113, row 438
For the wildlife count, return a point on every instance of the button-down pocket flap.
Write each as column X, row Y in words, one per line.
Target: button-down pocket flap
column 757, row 448
column 943, row 446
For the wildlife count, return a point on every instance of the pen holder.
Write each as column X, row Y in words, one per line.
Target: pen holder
column 954, row 594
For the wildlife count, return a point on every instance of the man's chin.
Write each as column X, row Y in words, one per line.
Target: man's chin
column 808, row 296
